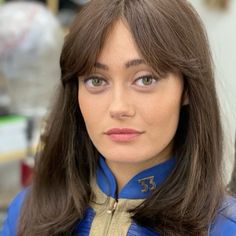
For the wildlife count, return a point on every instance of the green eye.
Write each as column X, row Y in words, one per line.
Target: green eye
column 147, row 80
column 96, row 82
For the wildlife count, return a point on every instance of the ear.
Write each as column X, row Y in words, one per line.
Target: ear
column 185, row 98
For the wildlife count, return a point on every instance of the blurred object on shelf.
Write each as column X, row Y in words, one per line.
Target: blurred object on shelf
column 9, row 182
column 30, row 44
column 27, row 164
column 12, row 135
column 27, row 167
column 80, row 2
column 217, row 4
column 62, row 4
column 31, row 39
column 66, row 17
column 4, row 97
column 67, row 12
column 53, row 6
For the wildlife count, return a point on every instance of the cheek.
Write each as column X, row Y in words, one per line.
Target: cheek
column 86, row 107
column 92, row 108
column 162, row 118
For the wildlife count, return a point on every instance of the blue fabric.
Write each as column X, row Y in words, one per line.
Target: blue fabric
column 83, row 227
column 10, row 223
column 148, row 178
column 224, row 223
column 137, row 230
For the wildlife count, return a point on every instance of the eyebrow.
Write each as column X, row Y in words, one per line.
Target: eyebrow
column 134, row 62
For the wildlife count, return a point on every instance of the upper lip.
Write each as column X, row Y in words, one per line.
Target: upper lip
column 122, row 131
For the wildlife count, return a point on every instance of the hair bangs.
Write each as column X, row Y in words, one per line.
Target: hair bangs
column 86, row 38
column 161, row 36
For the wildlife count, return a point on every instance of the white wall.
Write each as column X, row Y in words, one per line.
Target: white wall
column 221, row 28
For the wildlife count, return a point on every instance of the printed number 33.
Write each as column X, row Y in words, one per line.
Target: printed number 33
column 148, row 184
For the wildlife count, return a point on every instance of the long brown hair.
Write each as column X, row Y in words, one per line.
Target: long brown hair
column 171, row 38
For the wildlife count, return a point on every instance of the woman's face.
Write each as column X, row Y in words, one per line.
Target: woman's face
column 131, row 115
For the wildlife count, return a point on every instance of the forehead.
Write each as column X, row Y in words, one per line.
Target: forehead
column 119, row 44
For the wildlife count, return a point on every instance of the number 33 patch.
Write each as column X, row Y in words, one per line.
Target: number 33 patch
column 147, row 184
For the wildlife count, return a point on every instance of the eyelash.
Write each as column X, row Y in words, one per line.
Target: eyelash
column 91, row 78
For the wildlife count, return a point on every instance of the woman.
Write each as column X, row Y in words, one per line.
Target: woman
column 134, row 142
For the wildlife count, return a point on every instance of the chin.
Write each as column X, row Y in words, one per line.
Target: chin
column 126, row 157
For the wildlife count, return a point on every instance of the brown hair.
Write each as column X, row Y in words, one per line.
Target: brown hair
column 170, row 37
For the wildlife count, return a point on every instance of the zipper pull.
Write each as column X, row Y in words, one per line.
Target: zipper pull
column 112, row 207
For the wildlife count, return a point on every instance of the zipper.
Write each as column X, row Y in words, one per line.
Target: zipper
column 110, row 211
column 112, row 206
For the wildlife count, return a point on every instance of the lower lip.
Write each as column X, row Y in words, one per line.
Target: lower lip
column 123, row 137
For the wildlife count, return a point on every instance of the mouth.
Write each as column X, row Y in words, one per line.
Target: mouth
column 123, row 134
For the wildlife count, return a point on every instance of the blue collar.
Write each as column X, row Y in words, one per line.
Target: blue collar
column 139, row 186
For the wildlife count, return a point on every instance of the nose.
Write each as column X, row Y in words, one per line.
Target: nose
column 121, row 106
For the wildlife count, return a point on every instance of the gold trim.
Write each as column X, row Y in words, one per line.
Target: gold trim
column 107, row 222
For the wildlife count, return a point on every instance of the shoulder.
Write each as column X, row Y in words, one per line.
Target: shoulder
column 225, row 220
column 10, row 223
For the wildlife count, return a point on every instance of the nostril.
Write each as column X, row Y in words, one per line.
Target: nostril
column 122, row 114
column 121, row 106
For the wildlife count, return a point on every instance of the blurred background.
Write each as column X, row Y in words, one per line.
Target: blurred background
column 31, row 38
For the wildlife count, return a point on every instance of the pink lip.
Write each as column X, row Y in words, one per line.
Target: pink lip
column 123, row 134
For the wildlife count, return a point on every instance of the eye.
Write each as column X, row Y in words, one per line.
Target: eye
column 94, row 81
column 146, row 80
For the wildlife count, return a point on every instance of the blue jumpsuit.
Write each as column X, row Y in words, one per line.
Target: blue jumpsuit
column 107, row 214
